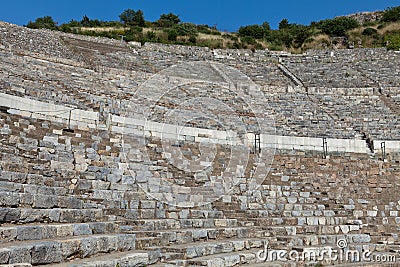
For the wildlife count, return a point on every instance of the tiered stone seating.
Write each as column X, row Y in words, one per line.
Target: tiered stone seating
column 365, row 114
column 295, row 208
column 69, row 197
column 69, row 85
column 46, row 42
column 347, row 68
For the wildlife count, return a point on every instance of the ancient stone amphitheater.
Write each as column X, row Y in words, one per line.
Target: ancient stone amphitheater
column 115, row 155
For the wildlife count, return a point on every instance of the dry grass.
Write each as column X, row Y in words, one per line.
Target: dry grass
column 104, row 29
column 317, row 42
column 210, row 36
column 146, row 30
column 395, row 26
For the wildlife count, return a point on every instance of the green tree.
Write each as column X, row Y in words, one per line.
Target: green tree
column 168, row 20
column 393, row 42
column 300, row 34
column 85, row 22
column 172, row 35
column 248, row 40
column 266, row 26
column 192, row 39
column 46, row 22
column 186, row 29
column 255, row 31
column 135, row 33
column 74, row 23
column 132, row 18
column 391, row 14
column 151, row 35
column 369, row 31
column 279, row 38
column 284, row 24
column 337, row 26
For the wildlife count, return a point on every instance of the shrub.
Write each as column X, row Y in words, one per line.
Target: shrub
column 255, row 31
column 168, row 20
column 369, row 31
column 192, row 39
column 46, row 22
column 248, row 40
column 393, row 42
column 134, row 34
column 391, row 14
column 337, row 26
column 151, row 35
column 172, row 35
column 186, row 29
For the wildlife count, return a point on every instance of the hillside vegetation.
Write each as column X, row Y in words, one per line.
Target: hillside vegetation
column 379, row 30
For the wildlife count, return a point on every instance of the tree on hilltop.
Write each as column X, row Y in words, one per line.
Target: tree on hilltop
column 168, row 20
column 45, row 22
column 284, row 24
column 132, row 18
column 337, row 26
column 255, row 31
column 391, row 14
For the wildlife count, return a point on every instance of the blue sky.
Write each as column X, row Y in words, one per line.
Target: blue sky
column 227, row 14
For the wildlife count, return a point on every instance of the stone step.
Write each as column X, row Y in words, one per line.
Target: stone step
column 16, row 265
column 90, row 197
column 32, row 188
column 49, row 251
column 270, row 264
column 24, row 215
column 14, row 199
column 242, row 257
column 148, row 242
column 162, row 264
column 25, row 232
column 22, row 178
column 300, row 219
column 166, row 224
column 46, row 196
column 366, row 264
column 312, row 229
column 122, row 259
column 183, row 236
column 315, row 240
column 206, row 248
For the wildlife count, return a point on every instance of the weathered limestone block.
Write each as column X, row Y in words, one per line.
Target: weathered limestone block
column 199, row 234
column 8, row 199
column 20, row 254
column 82, row 229
column 59, row 165
column 46, row 253
column 69, row 248
column 126, row 242
column 45, row 201
column 30, row 233
column 7, row 215
column 5, row 255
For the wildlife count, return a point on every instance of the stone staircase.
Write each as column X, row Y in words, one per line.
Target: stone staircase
column 393, row 106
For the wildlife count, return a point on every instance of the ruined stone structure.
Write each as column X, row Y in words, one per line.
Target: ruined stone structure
column 82, row 154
